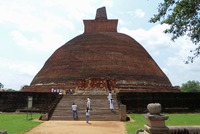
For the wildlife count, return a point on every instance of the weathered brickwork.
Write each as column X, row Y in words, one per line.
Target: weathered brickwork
column 101, row 58
column 92, row 83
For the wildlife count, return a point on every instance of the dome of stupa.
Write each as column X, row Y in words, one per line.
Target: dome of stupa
column 101, row 56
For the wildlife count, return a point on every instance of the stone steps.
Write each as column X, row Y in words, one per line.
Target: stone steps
column 99, row 108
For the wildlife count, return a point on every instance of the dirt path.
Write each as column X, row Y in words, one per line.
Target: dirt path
column 79, row 127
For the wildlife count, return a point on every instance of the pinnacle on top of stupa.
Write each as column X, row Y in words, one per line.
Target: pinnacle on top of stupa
column 101, row 14
column 100, row 23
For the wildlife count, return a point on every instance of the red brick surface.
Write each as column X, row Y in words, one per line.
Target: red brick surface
column 101, row 53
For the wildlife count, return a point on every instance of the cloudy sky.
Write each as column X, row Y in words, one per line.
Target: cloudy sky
column 31, row 30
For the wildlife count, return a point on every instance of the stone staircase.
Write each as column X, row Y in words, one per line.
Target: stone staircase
column 99, row 105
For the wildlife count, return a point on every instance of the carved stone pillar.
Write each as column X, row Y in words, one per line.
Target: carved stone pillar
column 155, row 120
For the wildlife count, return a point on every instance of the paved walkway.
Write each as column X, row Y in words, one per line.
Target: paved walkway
column 79, row 127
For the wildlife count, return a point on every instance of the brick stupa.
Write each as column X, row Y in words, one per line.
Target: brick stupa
column 101, row 58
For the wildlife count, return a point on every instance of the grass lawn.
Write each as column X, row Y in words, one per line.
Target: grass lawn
column 138, row 121
column 18, row 123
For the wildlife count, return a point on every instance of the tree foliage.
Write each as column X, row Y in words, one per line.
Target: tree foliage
column 5, row 89
column 183, row 17
column 1, row 86
column 10, row 90
column 191, row 86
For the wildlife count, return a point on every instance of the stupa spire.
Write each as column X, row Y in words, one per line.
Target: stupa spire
column 100, row 23
column 101, row 14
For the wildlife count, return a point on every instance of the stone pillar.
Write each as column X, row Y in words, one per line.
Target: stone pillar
column 122, row 114
column 155, row 120
column 44, row 117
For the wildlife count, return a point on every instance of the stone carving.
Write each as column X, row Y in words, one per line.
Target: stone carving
column 155, row 120
column 154, row 108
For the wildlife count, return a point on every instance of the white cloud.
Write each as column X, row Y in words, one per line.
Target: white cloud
column 27, row 68
column 14, row 81
column 41, row 23
column 168, row 54
column 153, row 39
column 15, row 74
column 48, row 41
column 139, row 13
column 44, row 21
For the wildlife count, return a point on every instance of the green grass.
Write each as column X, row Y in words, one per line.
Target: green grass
column 138, row 121
column 18, row 123
column 183, row 119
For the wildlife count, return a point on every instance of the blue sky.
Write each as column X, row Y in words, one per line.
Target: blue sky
column 31, row 30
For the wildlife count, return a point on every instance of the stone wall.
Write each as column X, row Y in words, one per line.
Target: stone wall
column 62, row 87
column 18, row 101
column 184, row 129
column 171, row 101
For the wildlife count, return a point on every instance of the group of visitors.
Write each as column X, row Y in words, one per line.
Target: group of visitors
column 61, row 91
column 87, row 111
column 88, row 107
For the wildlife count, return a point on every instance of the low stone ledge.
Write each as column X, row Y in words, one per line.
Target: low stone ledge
column 3, row 132
column 27, row 110
column 185, row 129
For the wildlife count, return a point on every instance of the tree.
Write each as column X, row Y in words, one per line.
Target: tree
column 1, row 85
column 10, row 90
column 183, row 17
column 191, row 86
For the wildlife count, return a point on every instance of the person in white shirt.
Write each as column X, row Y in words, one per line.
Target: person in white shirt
column 74, row 111
column 111, row 104
column 88, row 103
column 109, row 96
